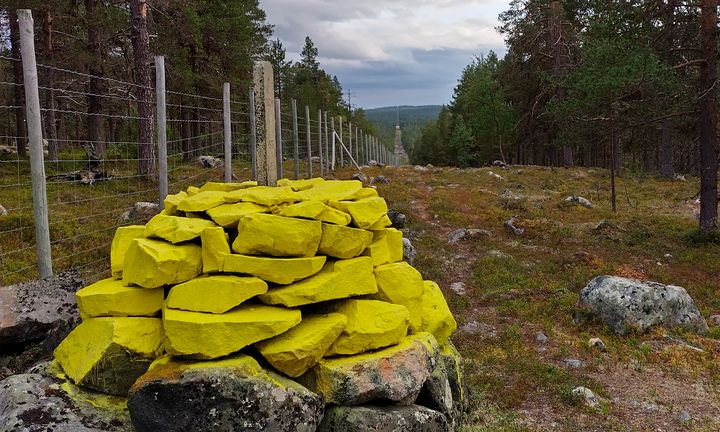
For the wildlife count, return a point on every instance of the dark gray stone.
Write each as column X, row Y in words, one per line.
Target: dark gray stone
column 409, row 251
column 630, row 305
column 436, row 394
column 381, row 179
column 411, row 418
column 452, row 360
column 398, row 219
column 360, row 176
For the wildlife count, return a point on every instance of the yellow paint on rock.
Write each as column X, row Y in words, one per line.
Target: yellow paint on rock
column 228, row 215
column 300, row 348
column 215, row 247
column 316, row 210
column 202, row 201
column 214, row 294
column 436, row 316
column 337, row 280
column 264, row 195
column 282, row 271
column 109, row 297
column 265, row 234
column 371, row 324
column 365, row 213
column 192, row 190
column 378, row 250
column 301, row 184
column 153, row 263
column 88, row 345
column 171, row 202
column 120, row 244
column 363, row 193
column 394, row 243
column 209, row 336
column 331, row 190
column 381, row 224
column 343, row 242
column 177, row 229
column 226, row 187
column 400, row 283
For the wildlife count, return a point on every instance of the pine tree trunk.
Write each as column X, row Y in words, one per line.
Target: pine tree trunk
column 707, row 118
column 97, row 148
column 141, row 51
column 666, row 151
column 20, row 132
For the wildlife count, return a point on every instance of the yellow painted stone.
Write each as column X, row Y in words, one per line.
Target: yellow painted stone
column 120, row 244
column 400, row 283
column 331, row 190
column 266, row 234
column 394, row 241
column 378, row 250
column 209, row 336
column 436, row 316
column 366, row 192
column 176, row 229
column 365, row 212
column 215, row 247
column 337, row 280
column 371, row 324
column 343, row 242
column 192, row 190
column 301, row 184
column 202, row 201
column 383, row 223
column 171, row 202
column 264, row 195
column 282, row 271
column 228, row 215
column 214, row 294
column 301, row 347
column 226, row 187
column 316, row 210
column 96, row 343
column 154, row 263
column 109, row 297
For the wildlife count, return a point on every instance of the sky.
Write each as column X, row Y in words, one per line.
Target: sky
column 391, row 52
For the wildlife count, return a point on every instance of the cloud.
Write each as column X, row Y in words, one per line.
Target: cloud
column 388, row 53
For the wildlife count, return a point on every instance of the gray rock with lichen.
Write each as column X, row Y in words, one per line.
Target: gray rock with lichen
column 412, row 418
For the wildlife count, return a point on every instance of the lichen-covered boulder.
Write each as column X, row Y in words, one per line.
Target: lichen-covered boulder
column 337, row 280
column 228, row 215
column 343, row 242
column 436, row 316
column 232, row 394
column 452, row 360
column 214, row 294
column 176, row 229
column 395, row 374
column 120, row 244
column 400, row 283
column 154, row 263
column 630, row 305
column 110, row 297
column 209, row 336
column 109, row 354
column 278, row 236
column 301, row 347
column 281, row 271
column 317, row 211
column 412, row 418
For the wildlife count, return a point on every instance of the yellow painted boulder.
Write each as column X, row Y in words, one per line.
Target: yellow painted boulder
column 226, row 187
column 109, row 297
column 228, row 215
column 394, row 240
column 371, row 324
column 367, row 192
column 266, row 234
column 264, row 195
column 301, row 184
column 381, row 224
column 378, row 250
column 436, row 316
column 202, row 201
column 343, row 242
column 365, row 212
column 215, row 247
column 337, row 280
column 109, row 354
column 281, row 271
column 176, row 229
column 209, row 336
column 331, row 190
column 120, row 244
column 154, row 263
column 400, row 283
column 214, row 294
column 316, row 210
column 171, row 202
column 192, row 190
column 301, row 347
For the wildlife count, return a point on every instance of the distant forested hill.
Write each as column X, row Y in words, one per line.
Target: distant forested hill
column 412, row 121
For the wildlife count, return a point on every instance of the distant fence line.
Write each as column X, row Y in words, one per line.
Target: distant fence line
column 63, row 203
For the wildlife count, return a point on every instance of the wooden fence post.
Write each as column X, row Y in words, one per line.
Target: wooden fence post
column 227, row 132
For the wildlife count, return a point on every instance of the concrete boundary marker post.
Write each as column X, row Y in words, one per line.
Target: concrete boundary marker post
column 161, row 127
column 320, row 146
column 37, row 157
column 327, row 142
column 253, row 135
column 227, row 131
column 309, row 141
column 265, row 122
column 296, row 141
column 278, row 138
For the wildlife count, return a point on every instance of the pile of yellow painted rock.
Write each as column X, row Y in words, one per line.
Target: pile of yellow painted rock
column 234, row 282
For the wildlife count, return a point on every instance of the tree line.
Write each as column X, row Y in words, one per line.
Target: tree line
column 615, row 84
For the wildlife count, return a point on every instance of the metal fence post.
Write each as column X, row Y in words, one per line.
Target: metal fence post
column 253, row 136
column 161, row 127
column 265, row 120
column 227, row 132
column 332, row 160
column 34, row 128
column 320, row 141
column 278, row 138
column 350, row 139
column 327, row 143
column 342, row 156
column 309, row 141
column 296, row 141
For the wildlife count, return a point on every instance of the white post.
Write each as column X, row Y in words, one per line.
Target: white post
column 265, row 122
column 332, row 160
column 309, row 141
column 227, row 132
column 37, row 158
column 161, row 127
column 327, row 142
column 253, row 135
column 342, row 157
column 320, row 142
column 296, row 141
column 278, row 139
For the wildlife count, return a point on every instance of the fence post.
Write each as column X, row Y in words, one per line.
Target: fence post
column 332, row 160
column 253, row 135
column 320, row 141
column 264, row 117
column 296, row 141
column 309, row 141
column 228, row 132
column 327, row 143
column 161, row 127
column 34, row 128
column 342, row 156
column 278, row 138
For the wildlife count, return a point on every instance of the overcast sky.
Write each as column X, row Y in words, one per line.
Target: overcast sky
column 391, row 52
